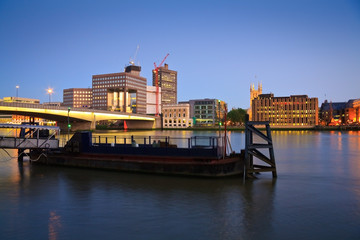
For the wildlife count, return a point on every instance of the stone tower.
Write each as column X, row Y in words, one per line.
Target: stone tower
column 254, row 94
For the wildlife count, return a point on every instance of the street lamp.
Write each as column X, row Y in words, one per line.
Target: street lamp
column 219, row 117
column 49, row 91
column 69, row 125
column 17, row 90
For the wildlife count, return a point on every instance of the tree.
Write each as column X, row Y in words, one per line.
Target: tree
column 237, row 116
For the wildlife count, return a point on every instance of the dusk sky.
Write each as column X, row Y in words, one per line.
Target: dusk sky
column 217, row 47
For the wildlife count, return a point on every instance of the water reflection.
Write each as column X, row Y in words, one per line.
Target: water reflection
column 54, row 225
column 318, row 178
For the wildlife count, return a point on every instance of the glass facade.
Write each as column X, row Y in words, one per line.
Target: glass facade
column 207, row 112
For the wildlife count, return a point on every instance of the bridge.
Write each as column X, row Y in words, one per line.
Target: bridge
column 79, row 118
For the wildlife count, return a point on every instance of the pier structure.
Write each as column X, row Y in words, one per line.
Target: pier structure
column 29, row 137
column 256, row 149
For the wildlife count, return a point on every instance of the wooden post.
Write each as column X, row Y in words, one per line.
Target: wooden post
column 21, row 154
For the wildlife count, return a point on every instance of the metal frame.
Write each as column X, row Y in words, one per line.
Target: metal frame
column 251, row 150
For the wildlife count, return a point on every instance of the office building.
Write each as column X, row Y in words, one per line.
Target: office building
column 77, row 97
column 167, row 80
column 296, row 110
column 123, row 92
column 177, row 116
column 207, row 112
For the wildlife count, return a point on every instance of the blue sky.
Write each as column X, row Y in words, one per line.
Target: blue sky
column 218, row 47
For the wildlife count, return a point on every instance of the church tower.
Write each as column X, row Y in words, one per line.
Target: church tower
column 254, row 94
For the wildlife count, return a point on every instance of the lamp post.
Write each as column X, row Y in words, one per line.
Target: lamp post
column 219, row 118
column 69, row 126
column 17, row 90
column 17, row 94
column 50, row 91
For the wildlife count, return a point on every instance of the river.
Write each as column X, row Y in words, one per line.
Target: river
column 316, row 196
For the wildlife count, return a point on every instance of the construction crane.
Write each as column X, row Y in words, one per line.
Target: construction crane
column 156, row 70
column 132, row 60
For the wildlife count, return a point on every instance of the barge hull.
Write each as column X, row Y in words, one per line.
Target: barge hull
column 229, row 166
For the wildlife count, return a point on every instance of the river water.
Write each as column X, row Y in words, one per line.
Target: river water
column 316, row 196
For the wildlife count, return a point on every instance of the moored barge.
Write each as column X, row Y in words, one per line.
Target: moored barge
column 199, row 156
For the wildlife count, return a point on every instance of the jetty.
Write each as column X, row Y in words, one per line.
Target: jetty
column 29, row 137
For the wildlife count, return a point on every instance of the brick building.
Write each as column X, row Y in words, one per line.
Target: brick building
column 77, row 97
column 295, row 110
column 340, row 113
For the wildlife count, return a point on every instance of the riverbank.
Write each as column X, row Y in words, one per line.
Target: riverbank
column 242, row 128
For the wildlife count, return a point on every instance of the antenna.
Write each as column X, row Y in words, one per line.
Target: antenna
column 132, row 60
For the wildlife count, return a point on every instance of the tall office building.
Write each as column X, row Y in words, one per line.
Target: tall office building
column 167, row 80
column 124, row 91
column 77, row 97
column 296, row 110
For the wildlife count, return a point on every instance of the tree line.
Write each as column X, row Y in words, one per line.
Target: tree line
column 236, row 116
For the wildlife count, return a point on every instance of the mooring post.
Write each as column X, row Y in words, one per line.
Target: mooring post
column 21, row 154
column 247, row 143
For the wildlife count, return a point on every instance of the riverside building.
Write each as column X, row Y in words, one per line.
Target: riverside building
column 167, row 80
column 340, row 113
column 295, row 110
column 123, row 92
column 77, row 97
column 176, row 116
column 207, row 112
